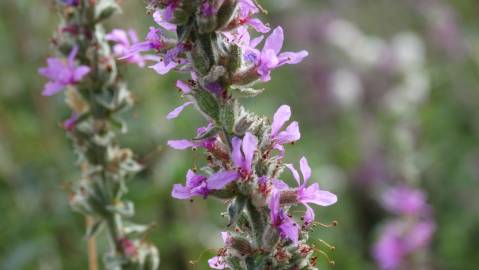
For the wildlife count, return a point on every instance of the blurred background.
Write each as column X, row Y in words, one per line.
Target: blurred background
column 389, row 95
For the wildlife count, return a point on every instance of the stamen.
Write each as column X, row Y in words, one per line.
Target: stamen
column 265, row 12
column 325, row 255
column 331, row 247
column 193, row 262
column 334, row 223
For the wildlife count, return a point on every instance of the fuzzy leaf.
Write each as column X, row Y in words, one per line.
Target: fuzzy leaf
column 235, row 209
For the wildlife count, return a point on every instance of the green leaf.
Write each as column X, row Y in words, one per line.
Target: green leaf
column 235, row 209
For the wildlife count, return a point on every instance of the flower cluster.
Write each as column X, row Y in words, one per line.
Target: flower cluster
column 211, row 40
column 409, row 233
column 96, row 94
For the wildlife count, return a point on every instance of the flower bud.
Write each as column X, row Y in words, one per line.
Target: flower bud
column 235, row 58
column 104, row 9
column 240, row 244
column 227, row 13
column 288, row 197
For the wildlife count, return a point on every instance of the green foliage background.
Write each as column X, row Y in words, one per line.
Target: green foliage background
column 37, row 166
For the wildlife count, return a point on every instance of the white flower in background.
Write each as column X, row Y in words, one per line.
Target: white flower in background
column 346, row 87
column 363, row 50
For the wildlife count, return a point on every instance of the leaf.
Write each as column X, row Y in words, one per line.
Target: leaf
column 235, row 209
column 246, row 92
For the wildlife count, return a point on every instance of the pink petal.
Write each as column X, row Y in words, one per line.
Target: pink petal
column 291, row 134
column 279, row 184
column 236, row 154
column 184, row 87
column 176, row 112
column 280, row 117
column 160, row 20
column 221, row 179
column 217, row 262
column 161, row 68
column 309, row 214
column 52, row 88
column 250, row 144
column 305, row 169
column 180, row 192
column 294, row 172
column 80, row 72
column 292, row 57
column 275, row 40
column 258, row 25
column 181, row 144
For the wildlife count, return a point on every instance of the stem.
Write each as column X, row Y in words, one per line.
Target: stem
column 91, row 246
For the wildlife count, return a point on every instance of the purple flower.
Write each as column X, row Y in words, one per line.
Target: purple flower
column 62, row 74
column 153, row 41
column 289, row 135
column 69, row 123
column 122, row 46
column 207, row 143
column 185, row 89
column 398, row 240
column 270, row 57
column 405, row 200
column 199, row 185
column 158, row 17
column 287, row 227
column 248, row 8
column 170, row 60
column 241, row 37
column 171, row 5
column 219, row 262
column 306, row 194
column 177, row 111
column 243, row 153
column 207, row 9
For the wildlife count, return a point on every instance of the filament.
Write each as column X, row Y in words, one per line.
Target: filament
column 193, row 262
column 331, row 247
column 325, row 255
column 334, row 223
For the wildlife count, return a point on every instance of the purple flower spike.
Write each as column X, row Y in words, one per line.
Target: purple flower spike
column 287, row 227
column 243, row 159
column 289, row 135
column 62, row 74
column 270, row 57
column 306, row 194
